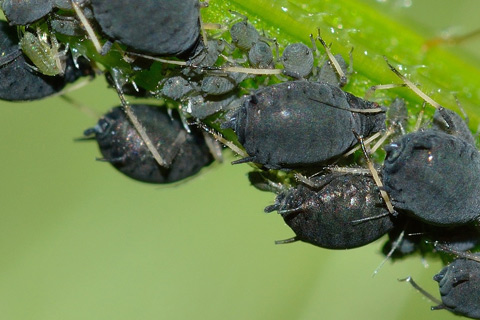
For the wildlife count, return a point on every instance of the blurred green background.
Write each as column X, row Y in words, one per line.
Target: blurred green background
column 78, row 240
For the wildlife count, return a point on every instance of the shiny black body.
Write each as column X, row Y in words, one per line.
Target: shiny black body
column 325, row 216
column 122, row 146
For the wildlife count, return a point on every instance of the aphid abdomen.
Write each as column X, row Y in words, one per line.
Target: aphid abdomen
column 121, row 145
column 326, row 217
column 296, row 124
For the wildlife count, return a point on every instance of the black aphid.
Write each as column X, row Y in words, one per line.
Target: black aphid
column 459, row 285
column 299, row 124
column 244, row 35
column 432, row 164
column 297, row 60
column 120, row 144
column 325, row 215
column 166, row 28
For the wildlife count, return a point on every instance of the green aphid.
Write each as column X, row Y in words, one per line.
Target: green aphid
column 43, row 53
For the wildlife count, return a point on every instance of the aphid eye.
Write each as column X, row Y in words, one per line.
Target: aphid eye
column 393, row 151
column 103, row 125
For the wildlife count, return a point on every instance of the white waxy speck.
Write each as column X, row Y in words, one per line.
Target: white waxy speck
column 285, row 113
column 284, row 9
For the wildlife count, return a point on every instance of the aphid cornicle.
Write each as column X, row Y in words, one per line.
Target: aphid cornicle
column 167, row 28
column 432, row 163
column 185, row 153
column 298, row 124
column 325, row 216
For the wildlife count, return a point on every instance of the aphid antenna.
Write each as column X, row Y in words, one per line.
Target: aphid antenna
column 88, row 27
column 394, row 247
column 289, row 240
column 333, row 60
column 116, row 75
column 359, row 221
column 167, row 61
column 371, row 91
column 210, row 68
column 370, row 110
column 461, row 254
column 375, row 176
column 424, row 292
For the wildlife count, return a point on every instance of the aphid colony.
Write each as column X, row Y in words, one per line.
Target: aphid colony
column 298, row 120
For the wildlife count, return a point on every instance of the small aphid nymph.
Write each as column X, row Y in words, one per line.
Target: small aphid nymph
column 44, row 54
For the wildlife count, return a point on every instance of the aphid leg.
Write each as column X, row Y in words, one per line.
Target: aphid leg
column 80, row 106
column 370, row 92
column 462, row 254
column 175, row 147
column 384, row 137
column 238, row 14
column 414, row 88
column 88, row 27
column 465, row 115
column 394, row 247
column 361, row 171
column 116, row 75
column 221, row 139
column 203, row 4
column 336, row 65
column 350, row 66
column 375, row 176
column 315, row 184
column 422, row 291
column 289, row 240
column 366, row 142
column 420, row 117
column 213, row 146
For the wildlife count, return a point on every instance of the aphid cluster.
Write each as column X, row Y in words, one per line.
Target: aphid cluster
column 296, row 122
